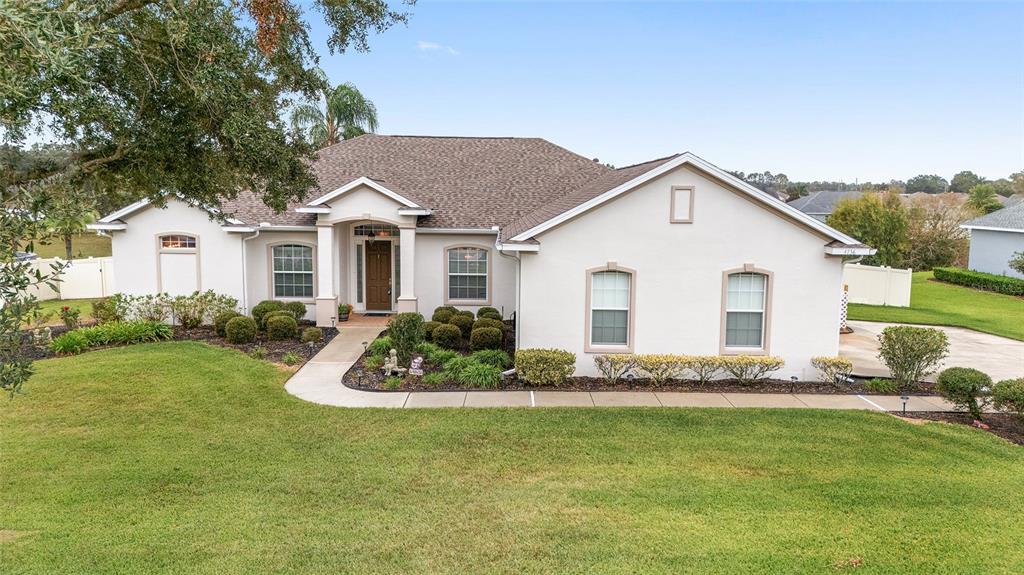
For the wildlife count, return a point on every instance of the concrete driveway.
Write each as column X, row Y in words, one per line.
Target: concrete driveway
column 999, row 357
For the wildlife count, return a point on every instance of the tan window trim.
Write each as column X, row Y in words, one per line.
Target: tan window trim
column 766, row 335
column 672, row 205
column 270, row 271
column 587, row 312
column 160, row 249
column 490, row 275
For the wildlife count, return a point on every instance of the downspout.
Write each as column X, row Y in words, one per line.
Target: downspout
column 519, row 280
column 245, row 274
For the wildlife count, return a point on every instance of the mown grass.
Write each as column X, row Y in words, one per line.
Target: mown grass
column 179, row 457
column 53, row 307
column 83, row 245
column 936, row 303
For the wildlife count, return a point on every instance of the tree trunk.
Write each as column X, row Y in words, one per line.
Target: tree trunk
column 67, row 246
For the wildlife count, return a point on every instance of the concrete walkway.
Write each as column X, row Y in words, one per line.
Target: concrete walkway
column 319, row 381
column 999, row 357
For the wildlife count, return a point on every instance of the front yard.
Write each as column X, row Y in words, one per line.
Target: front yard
column 181, row 457
column 937, row 303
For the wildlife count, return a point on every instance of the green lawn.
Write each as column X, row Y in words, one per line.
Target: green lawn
column 54, row 305
column 937, row 303
column 183, row 458
column 82, row 246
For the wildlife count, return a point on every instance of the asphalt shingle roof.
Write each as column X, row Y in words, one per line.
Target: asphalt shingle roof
column 1011, row 218
column 822, row 202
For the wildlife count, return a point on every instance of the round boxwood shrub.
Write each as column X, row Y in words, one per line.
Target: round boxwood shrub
column 297, row 308
column 265, row 307
column 240, row 329
column 488, row 312
column 966, row 388
column 278, row 313
column 490, row 322
column 462, row 322
column 220, row 321
column 1008, row 395
column 443, row 314
column 428, row 329
column 448, row 335
column 312, row 334
column 282, row 327
column 485, row 338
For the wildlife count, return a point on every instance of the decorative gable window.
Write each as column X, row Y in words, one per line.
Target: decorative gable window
column 292, row 266
column 466, row 273
column 177, row 242
column 746, row 310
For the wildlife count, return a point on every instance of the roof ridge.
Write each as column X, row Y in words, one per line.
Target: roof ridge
column 668, row 157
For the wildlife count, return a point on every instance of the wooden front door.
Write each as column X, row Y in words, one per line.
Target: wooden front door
column 378, row 276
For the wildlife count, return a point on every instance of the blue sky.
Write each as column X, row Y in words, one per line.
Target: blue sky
column 818, row 91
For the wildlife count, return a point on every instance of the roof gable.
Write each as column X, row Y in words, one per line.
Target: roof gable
column 1008, row 219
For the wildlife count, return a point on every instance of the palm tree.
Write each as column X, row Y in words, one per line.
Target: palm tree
column 342, row 113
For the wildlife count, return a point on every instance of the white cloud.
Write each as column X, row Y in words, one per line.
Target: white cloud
column 425, row 46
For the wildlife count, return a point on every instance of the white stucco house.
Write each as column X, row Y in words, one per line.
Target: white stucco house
column 995, row 237
column 670, row 256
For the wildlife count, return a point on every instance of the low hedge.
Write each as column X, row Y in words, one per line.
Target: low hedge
column 660, row 368
column 544, row 366
column 980, row 280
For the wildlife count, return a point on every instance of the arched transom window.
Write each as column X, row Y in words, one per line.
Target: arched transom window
column 292, row 266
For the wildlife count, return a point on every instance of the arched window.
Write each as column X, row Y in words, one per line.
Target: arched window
column 292, row 270
column 177, row 242
column 746, row 310
column 610, row 309
column 467, row 275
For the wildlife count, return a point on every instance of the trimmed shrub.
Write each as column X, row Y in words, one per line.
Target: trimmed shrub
column 428, row 329
column 297, row 308
column 485, row 338
column 105, row 310
column 279, row 313
column 1008, row 395
column 240, row 329
column 544, row 366
column 980, row 280
column 747, row 369
column 614, row 366
column 835, row 370
column 265, row 307
column 380, row 346
column 70, row 343
column 660, row 367
column 443, row 314
column 488, row 312
column 466, row 313
column 488, row 322
column 480, row 375
column 312, row 334
column 704, row 367
column 220, row 321
column 966, row 388
column 911, row 353
column 447, row 335
column 196, row 309
column 462, row 322
column 495, row 357
column 281, row 326
column 406, row 331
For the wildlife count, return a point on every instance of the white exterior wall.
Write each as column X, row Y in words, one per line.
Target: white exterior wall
column 257, row 254
column 991, row 251
column 430, row 280
column 679, row 275
column 136, row 250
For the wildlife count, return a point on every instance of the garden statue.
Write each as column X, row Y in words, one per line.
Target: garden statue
column 391, row 365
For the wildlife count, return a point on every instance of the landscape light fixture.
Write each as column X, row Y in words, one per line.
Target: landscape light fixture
column 792, row 386
column 904, row 399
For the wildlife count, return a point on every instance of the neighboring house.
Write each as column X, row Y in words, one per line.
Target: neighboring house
column 995, row 237
column 820, row 205
column 669, row 256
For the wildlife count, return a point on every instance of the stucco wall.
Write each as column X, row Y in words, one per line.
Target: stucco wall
column 257, row 252
column 679, row 270
column 430, row 254
column 135, row 250
column 990, row 251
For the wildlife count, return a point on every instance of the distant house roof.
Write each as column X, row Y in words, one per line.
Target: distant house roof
column 823, row 203
column 1009, row 219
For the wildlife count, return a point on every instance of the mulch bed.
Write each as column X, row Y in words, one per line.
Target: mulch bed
column 1008, row 426
column 273, row 350
column 362, row 378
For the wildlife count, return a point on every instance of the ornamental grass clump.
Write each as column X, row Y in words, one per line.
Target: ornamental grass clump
column 911, row 353
column 480, row 375
column 614, row 366
column 966, row 388
column 543, row 367
column 660, row 368
column 749, row 369
column 380, row 346
column 835, row 370
column 495, row 357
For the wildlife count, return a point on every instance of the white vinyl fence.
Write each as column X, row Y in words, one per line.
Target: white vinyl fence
column 877, row 285
column 85, row 278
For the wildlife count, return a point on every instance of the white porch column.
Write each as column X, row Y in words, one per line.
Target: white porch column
column 326, row 299
column 407, row 291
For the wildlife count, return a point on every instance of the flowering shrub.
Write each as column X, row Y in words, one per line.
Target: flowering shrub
column 69, row 315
